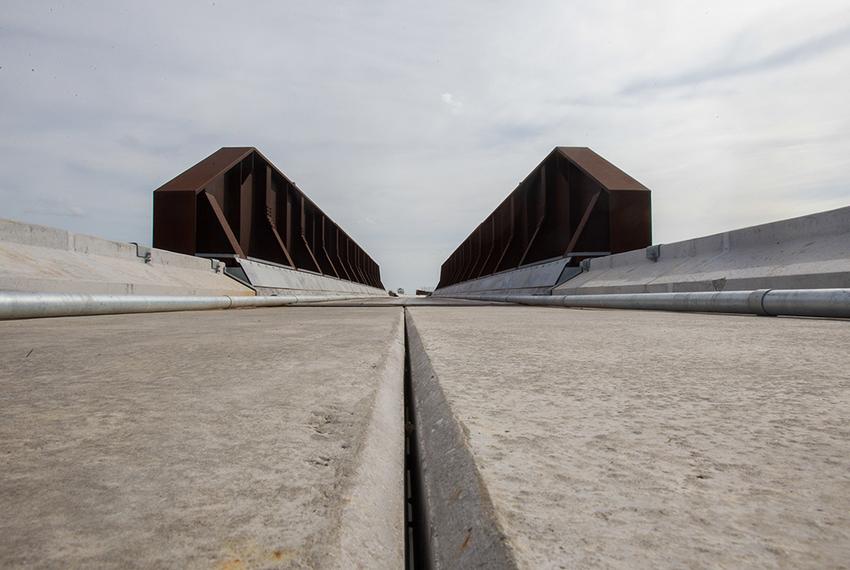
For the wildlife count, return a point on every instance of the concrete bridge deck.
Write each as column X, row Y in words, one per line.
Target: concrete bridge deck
column 549, row 438
column 243, row 439
column 631, row 439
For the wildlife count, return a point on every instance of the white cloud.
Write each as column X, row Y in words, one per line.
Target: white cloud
column 732, row 112
column 453, row 103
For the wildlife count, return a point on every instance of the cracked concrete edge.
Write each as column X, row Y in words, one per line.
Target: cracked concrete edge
column 462, row 530
column 372, row 525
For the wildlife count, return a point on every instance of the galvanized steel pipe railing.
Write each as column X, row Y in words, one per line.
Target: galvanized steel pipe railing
column 834, row 303
column 14, row 305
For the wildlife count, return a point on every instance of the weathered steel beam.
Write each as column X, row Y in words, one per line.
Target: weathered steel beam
column 236, row 202
column 574, row 201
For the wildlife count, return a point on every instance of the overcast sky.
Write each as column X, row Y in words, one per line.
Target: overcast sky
column 408, row 122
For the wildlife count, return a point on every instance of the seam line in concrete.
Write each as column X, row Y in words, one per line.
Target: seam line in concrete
column 372, row 524
column 462, row 529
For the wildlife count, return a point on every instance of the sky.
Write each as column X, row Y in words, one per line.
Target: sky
column 409, row 122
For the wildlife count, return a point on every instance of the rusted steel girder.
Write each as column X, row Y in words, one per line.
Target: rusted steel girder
column 574, row 204
column 236, row 202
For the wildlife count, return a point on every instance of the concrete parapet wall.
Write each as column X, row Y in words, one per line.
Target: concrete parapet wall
column 269, row 279
column 536, row 279
column 809, row 252
column 37, row 258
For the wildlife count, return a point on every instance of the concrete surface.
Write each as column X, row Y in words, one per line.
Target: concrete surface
column 41, row 259
column 809, row 252
column 241, row 439
column 614, row 439
column 268, row 279
column 535, row 279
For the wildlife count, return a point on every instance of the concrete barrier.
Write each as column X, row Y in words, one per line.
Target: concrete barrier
column 268, row 279
column 36, row 258
column 809, row 252
column 538, row 279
